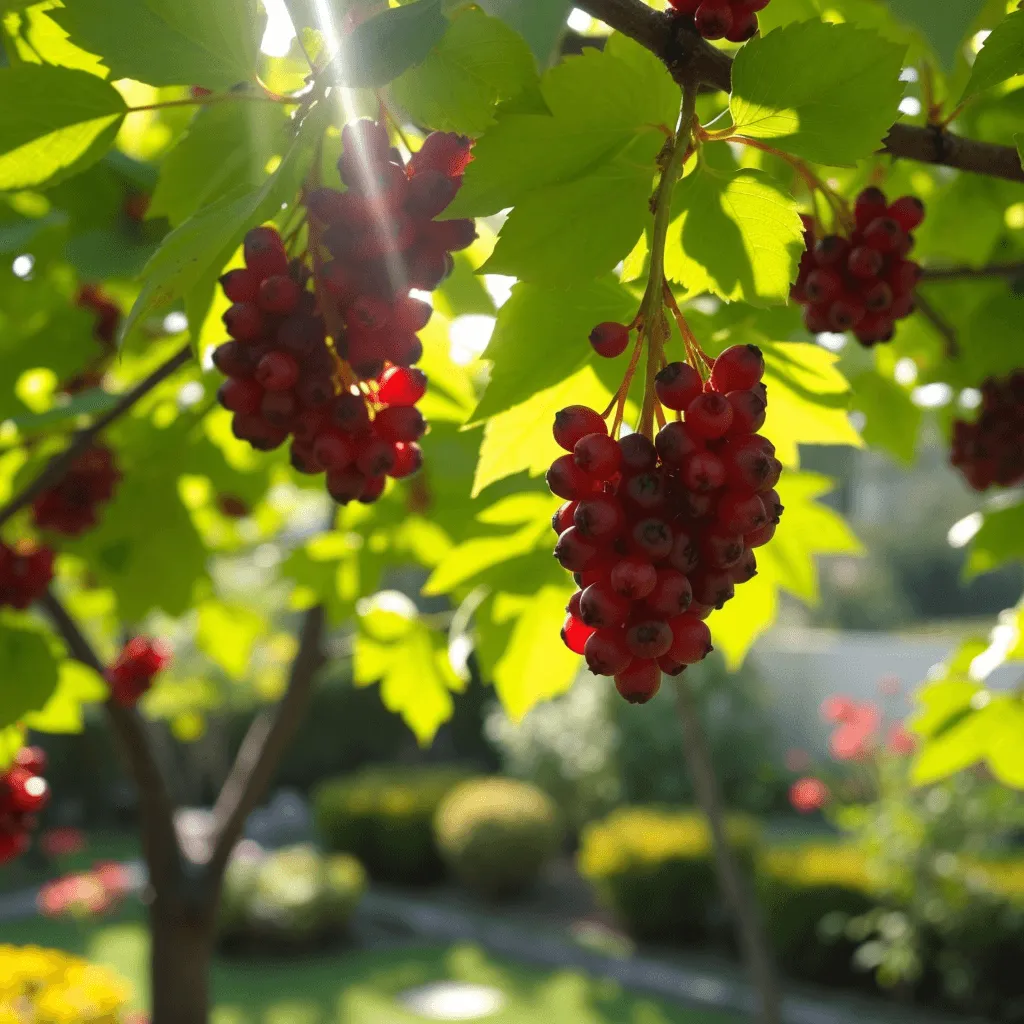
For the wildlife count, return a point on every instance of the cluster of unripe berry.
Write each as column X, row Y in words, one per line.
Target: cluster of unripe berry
column 26, row 570
column 735, row 20
column 863, row 283
column 70, row 506
column 23, row 794
column 657, row 534
column 131, row 675
column 332, row 367
column 990, row 450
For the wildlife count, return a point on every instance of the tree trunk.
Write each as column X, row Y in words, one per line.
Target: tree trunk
column 180, row 963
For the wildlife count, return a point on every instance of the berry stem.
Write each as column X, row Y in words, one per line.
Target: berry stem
column 653, row 325
column 695, row 354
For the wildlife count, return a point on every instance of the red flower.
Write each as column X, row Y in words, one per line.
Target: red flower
column 900, row 741
column 808, row 795
column 837, row 708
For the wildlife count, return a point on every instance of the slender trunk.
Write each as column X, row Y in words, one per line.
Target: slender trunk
column 735, row 887
column 180, row 963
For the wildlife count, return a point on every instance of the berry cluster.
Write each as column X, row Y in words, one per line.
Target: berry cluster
column 108, row 319
column 657, row 534
column 735, row 20
column 333, row 367
column 991, row 449
column 69, row 507
column 23, row 794
column 863, row 283
column 25, row 572
column 131, row 675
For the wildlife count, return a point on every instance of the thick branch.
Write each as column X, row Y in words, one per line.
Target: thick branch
column 674, row 40
column 160, row 841
column 1009, row 270
column 738, row 896
column 59, row 464
column 265, row 743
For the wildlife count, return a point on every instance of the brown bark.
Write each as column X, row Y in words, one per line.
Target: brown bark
column 182, row 946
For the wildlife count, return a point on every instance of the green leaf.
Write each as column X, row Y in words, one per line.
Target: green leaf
column 598, row 104
column 540, row 22
column 54, row 122
column 1019, row 140
column 381, row 48
column 212, row 43
column 736, row 235
column 540, row 338
column 192, row 255
column 87, row 403
column 1001, row 57
column 1005, row 750
column 943, row 25
column 227, row 146
column 77, row 685
column 952, row 750
column 1000, row 539
column 739, row 623
column 395, row 648
column 535, row 665
column 478, row 63
column 555, row 235
column 226, row 634
column 891, row 420
column 28, row 669
column 12, row 739
column 825, row 92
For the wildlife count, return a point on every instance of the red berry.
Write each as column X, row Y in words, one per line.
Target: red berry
column 649, row 639
column 864, row 262
column 703, row 471
column 373, row 488
column 376, row 458
column 740, row 513
column 575, row 422
column 602, row 608
column 638, row 453
column 609, row 339
column 243, row 321
column 563, row 517
column 759, row 537
column 333, row 450
column 830, row 250
column 240, row 395
column 749, row 412
column 870, row 204
column 675, row 442
column 264, row 252
column 279, row 294
column 691, row 639
column 277, row 371
column 823, row 286
column 408, row 460
column 633, row 578
column 566, row 479
column 746, row 568
column 723, row 550
column 677, row 385
column 607, row 653
column 598, row 455
column 713, row 588
column 907, row 211
column 738, row 368
column 575, row 634
column 713, row 19
column 744, row 25
column 400, row 423
column 644, row 492
column 671, row 596
column 345, row 485
column 684, row 555
column 877, row 298
column 574, row 551
column 411, row 314
column 845, row 313
column 240, row 285
column 401, row 385
column 32, row 759
column 708, row 415
column 884, row 234
column 640, row 681
column 599, row 518
column 651, row 538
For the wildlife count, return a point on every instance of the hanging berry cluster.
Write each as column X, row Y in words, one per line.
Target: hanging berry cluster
column 658, row 533
column 23, row 794
column 734, row 20
column 325, row 353
column 131, row 675
column 71, row 505
column 107, row 320
column 991, row 449
column 864, row 282
column 26, row 570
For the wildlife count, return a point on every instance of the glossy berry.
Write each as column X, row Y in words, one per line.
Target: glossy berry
column 598, row 456
column 691, row 639
column 401, row 385
column 567, row 480
column 602, row 607
column 607, row 652
column 609, row 339
column 738, row 368
column 709, row 416
column 575, row 634
column 639, row 682
column 575, row 422
column 677, row 385
column 634, row 578
column 277, row 371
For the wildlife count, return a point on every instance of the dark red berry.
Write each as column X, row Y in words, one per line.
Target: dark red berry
column 277, row 371
column 607, row 653
column 598, row 456
column 738, row 368
column 609, row 339
column 633, row 578
column 566, row 479
column 602, row 607
column 575, row 422
column 677, row 385
column 708, row 416
column 640, row 681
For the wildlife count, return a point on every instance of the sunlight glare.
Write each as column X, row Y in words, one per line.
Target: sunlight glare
column 279, row 33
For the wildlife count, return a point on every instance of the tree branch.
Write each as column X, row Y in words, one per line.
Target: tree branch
column 264, row 744
column 55, row 469
column 737, row 892
column 940, row 323
column 1010, row 270
column 675, row 41
column 159, row 838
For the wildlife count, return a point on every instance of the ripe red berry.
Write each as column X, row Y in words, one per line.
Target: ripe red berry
column 563, row 517
column 240, row 285
column 640, row 681
column 907, row 211
column 671, row 595
column 277, row 371
column 279, row 294
column 633, row 578
column 575, row 634
column 703, row 471
column 884, row 234
column 713, row 588
column 864, row 262
column 408, row 460
column 243, row 321
column 32, row 759
column 644, row 492
column 675, row 442
column 638, row 454
column 691, row 639
column 575, row 422
column 749, row 412
column 738, row 368
column 713, row 19
column 376, row 458
column 607, row 653
column 649, row 639
column 677, row 385
column 600, row 518
column 333, row 450
column 722, row 550
column 759, row 537
column 823, row 286
column 651, row 538
column 400, row 423
column 602, row 607
column 264, row 252
column 685, row 554
column 609, row 339
column 567, row 480
column 240, row 395
column 740, row 513
column 870, row 204
column 575, row 551
column 708, row 416
column 401, row 385
column 598, row 456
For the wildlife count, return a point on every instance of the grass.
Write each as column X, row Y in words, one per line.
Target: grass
column 103, row 845
column 360, row 987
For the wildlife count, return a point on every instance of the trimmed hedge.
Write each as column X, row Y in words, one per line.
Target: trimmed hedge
column 655, row 869
column 293, row 897
column 497, row 834
column 384, row 816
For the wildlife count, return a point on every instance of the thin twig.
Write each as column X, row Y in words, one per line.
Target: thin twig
column 940, row 323
column 160, row 840
column 674, row 40
column 735, row 887
column 264, row 744
column 1010, row 270
column 55, row 469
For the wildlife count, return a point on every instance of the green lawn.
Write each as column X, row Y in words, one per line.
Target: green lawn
column 360, row 987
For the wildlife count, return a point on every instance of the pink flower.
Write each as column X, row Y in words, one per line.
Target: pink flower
column 808, row 795
column 837, row 708
column 900, row 741
column 855, row 736
column 62, row 842
column 797, row 760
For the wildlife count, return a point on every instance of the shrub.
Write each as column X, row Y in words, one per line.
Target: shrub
column 497, row 834
column 809, row 895
column 655, row 869
column 47, row 986
column 295, row 896
column 384, row 816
